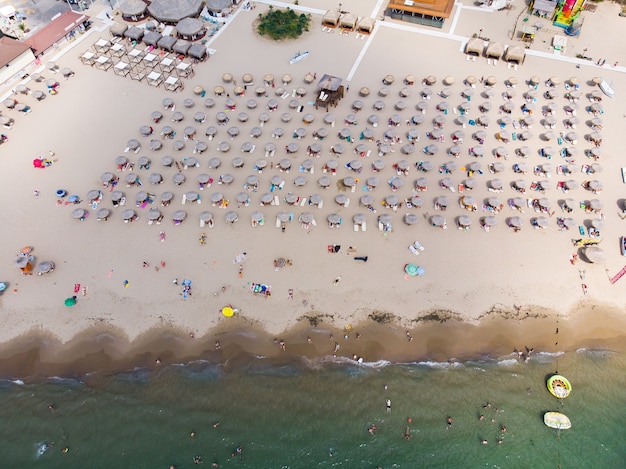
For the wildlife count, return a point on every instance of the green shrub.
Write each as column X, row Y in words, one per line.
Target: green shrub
column 281, row 24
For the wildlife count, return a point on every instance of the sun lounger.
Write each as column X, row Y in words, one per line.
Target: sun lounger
column 363, row 226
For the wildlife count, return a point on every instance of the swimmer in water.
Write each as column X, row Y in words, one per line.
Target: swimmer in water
column 484, row 442
column 388, row 402
column 407, row 433
column 448, row 422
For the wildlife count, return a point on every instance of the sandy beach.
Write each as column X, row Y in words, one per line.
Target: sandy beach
column 482, row 291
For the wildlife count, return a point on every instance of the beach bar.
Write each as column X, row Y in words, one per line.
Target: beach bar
column 427, row 13
column 330, row 92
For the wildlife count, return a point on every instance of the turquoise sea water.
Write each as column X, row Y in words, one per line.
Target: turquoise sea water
column 295, row 415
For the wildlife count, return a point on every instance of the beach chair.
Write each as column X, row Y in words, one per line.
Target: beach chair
column 356, row 227
column 363, row 226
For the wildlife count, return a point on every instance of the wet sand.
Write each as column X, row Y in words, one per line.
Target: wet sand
column 467, row 273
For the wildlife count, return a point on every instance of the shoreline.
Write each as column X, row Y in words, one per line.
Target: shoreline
column 472, row 276
column 102, row 349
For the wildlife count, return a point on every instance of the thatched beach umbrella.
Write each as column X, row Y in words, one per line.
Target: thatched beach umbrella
column 103, row 214
column 179, row 216
column 299, row 181
column 341, row 199
column 231, row 217
column 595, row 254
column 570, row 184
column 514, row 222
column 438, row 221
column 470, row 183
column 395, row 183
column 494, row 203
column 410, row 219
column 324, row 181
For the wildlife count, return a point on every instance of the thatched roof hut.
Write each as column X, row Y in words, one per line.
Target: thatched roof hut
column 366, row 25
column 133, row 10
column 172, row 11
column 515, row 54
column 135, row 33
column 331, row 19
column 167, row 43
column 197, row 51
column 494, row 50
column 348, row 21
column 475, row 46
column 118, row 29
column 151, row 38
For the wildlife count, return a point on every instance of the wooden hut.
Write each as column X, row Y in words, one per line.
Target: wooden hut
column 331, row 19
column 366, row 25
column 329, row 91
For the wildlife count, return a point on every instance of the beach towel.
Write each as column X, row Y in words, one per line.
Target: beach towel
column 76, row 287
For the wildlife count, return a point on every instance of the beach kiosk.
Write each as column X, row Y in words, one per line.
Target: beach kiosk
column 329, row 92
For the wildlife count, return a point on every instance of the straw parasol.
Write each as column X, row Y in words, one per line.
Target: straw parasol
column 231, row 217
column 438, row 220
column 464, row 221
column 449, row 80
column 540, row 222
column 514, row 222
column 410, row 219
column 595, row 254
